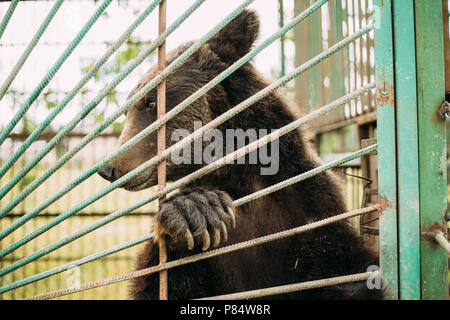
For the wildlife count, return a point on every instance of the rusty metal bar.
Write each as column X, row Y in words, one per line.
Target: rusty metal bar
column 161, row 141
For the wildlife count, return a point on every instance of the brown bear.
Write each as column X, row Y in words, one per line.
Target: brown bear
column 199, row 217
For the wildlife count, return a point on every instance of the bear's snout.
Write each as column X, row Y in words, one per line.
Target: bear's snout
column 108, row 172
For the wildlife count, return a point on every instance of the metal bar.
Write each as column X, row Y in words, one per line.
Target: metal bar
column 4, row 134
column 407, row 150
column 85, row 111
column 387, row 155
column 161, row 144
column 208, row 254
column 443, row 242
column 29, row 48
column 175, row 111
column 7, row 16
column 432, row 143
column 68, row 97
column 282, row 39
column 301, row 286
column 314, row 48
column 186, row 180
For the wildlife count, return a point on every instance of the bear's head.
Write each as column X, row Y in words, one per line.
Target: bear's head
column 227, row 46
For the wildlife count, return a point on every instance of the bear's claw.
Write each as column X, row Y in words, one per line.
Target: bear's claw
column 193, row 217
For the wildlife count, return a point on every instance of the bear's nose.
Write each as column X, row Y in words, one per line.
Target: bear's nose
column 108, row 172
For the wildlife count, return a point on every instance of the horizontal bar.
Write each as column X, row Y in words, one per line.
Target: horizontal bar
column 442, row 240
column 178, row 184
column 208, row 254
column 75, row 263
column 130, row 67
column 4, row 134
column 29, row 48
column 7, row 16
column 258, row 293
column 174, row 111
column 68, row 97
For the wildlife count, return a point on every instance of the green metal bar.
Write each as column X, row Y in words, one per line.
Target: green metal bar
column 187, row 179
column 174, row 111
column 7, row 16
column 432, row 144
column 315, row 47
column 29, row 48
column 92, row 71
column 53, row 71
column 282, row 39
column 131, row 66
column 387, row 155
column 407, row 150
column 337, row 75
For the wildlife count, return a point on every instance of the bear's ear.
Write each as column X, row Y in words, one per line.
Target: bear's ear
column 237, row 37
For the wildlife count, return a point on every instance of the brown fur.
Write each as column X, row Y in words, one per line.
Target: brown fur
column 325, row 252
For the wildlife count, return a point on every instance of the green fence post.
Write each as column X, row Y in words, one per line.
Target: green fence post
column 385, row 100
column 432, row 140
column 407, row 150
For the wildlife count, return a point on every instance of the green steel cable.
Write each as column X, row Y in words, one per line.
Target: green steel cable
column 157, row 123
column 29, row 48
column 7, row 16
column 52, row 143
column 52, row 71
column 197, row 174
column 77, row 88
column 175, row 64
column 76, row 263
column 178, row 146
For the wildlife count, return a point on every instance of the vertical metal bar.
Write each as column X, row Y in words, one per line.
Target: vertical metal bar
column 314, row 48
column 407, row 150
column 337, row 68
column 446, row 44
column 386, row 145
column 282, row 38
column 161, row 136
column 432, row 148
column 301, row 55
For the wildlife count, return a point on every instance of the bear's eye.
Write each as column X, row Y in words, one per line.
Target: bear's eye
column 151, row 105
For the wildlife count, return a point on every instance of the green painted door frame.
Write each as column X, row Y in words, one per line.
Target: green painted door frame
column 409, row 50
